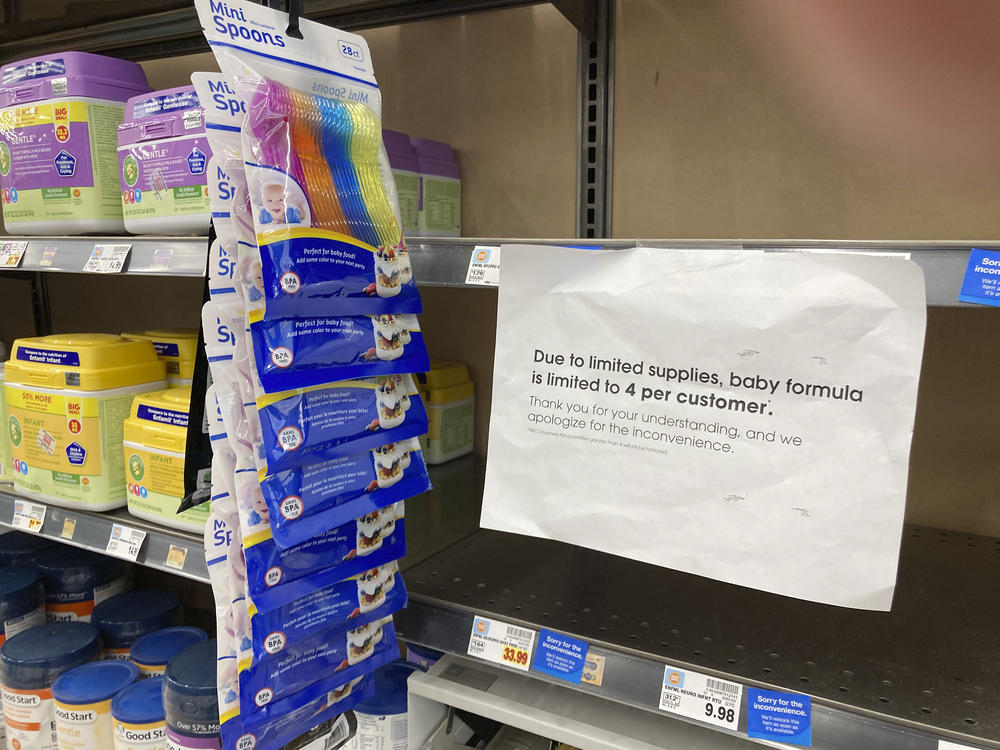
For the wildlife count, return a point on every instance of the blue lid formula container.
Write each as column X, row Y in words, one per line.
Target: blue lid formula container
column 137, row 715
column 125, row 618
column 77, row 580
column 83, row 703
column 190, row 699
column 22, row 601
column 18, row 548
column 30, row 662
column 153, row 651
column 382, row 718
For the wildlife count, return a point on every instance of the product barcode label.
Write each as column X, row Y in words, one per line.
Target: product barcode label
column 500, row 643
column 28, row 516
column 484, row 266
column 107, row 259
column 11, row 253
column 700, row 697
column 125, row 542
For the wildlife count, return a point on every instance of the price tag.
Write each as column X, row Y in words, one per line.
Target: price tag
column 125, row 542
column 176, row 557
column 28, row 516
column 11, row 253
column 484, row 266
column 107, row 259
column 702, row 698
column 501, row 643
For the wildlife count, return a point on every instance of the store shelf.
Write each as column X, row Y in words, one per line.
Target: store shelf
column 583, row 721
column 149, row 256
column 928, row 670
column 91, row 531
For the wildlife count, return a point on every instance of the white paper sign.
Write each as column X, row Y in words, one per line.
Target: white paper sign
column 11, row 253
column 945, row 745
column 745, row 417
column 125, row 542
column 484, row 266
column 501, row 643
column 107, row 259
column 28, row 516
column 700, row 697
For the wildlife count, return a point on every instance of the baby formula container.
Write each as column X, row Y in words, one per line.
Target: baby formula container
column 176, row 348
column 151, row 652
column 18, row 548
column 439, row 213
column 450, row 401
column 22, row 601
column 163, row 158
column 405, row 170
column 137, row 714
column 190, row 699
column 382, row 718
column 29, row 663
column 77, row 580
column 67, row 396
column 83, row 703
column 125, row 618
column 5, row 468
column 155, row 437
column 58, row 119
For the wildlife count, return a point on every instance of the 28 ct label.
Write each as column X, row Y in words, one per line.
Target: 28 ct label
column 700, row 697
column 501, row 643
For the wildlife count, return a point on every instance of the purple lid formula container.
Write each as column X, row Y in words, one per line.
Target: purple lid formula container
column 439, row 213
column 58, row 120
column 163, row 161
column 405, row 171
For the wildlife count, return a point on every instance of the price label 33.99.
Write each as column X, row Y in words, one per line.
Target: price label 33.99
column 501, row 643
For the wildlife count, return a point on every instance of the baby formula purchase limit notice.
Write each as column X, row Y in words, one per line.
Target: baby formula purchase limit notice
column 752, row 413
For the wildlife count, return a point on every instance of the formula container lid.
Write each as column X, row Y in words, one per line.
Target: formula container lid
column 444, row 374
column 63, row 74
column 95, row 682
column 177, row 347
column 400, row 151
column 34, row 658
column 160, row 419
column 126, row 617
column 422, row 654
column 193, row 671
column 141, row 703
column 67, row 570
column 435, row 157
column 449, row 395
column 162, row 114
column 159, row 647
column 84, row 361
column 18, row 548
column 20, row 592
column 390, row 689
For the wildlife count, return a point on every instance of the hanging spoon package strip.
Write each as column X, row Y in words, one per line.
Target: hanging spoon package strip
column 330, row 656
column 343, row 605
column 324, row 202
column 313, row 499
column 316, row 424
column 276, row 577
column 300, row 715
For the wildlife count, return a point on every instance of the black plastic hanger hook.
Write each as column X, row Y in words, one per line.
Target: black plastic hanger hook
column 294, row 11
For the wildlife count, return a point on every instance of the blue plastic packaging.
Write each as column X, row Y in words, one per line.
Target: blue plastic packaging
column 18, row 548
column 190, row 698
column 125, row 618
column 22, row 601
column 153, row 651
column 76, row 580
column 138, row 714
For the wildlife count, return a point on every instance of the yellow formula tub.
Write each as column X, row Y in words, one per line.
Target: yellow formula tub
column 155, row 436
column 176, row 348
column 67, row 397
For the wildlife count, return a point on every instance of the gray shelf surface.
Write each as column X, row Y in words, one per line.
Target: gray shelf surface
column 445, row 261
column 927, row 671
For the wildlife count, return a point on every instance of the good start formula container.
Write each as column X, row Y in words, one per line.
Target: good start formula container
column 125, row 618
column 22, row 605
column 77, row 580
column 83, row 703
column 155, row 437
column 153, row 651
column 440, row 209
column 18, row 548
column 163, row 158
column 137, row 715
column 190, row 699
column 29, row 663
column 382, row 718
column 67, row 396
column 59, row 116
column 176, row 348
column 405, row 171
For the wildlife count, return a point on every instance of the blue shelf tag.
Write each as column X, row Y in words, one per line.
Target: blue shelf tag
column 981, row 285
column 782, row 717
column 560, row 656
